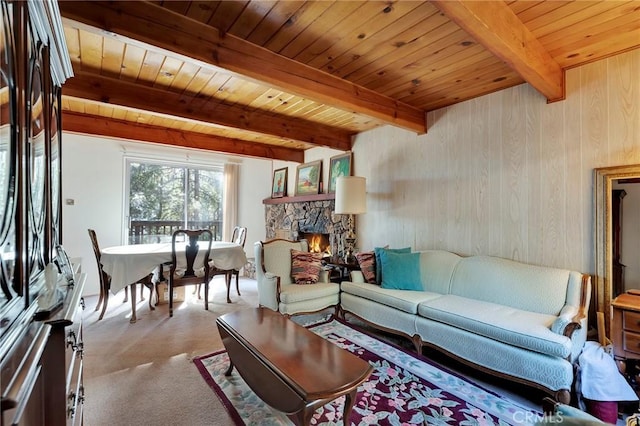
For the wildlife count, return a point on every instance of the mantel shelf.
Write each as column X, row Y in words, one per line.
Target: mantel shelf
column 299, row 199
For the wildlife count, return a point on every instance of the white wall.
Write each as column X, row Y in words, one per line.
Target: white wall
column 93, row 177
column 505, row 174
column 630, row 240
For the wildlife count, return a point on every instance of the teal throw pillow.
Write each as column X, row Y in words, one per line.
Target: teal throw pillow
column 400, row 271
column 377, row 252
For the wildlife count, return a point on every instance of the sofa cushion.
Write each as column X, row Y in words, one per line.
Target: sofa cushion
column 525, row 329
column 406, row 301
column 298, row 293
column 377, row 251
column 511, row 283
column 400, row 271
column 367, row 263
column 436, row 269
column 305, row 266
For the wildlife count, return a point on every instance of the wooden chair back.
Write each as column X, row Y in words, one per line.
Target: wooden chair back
column 192, row 263
column 197, row 241
column 104, row 277
column 239, row 235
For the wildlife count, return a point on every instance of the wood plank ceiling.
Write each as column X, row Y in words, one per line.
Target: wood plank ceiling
column 273, row 78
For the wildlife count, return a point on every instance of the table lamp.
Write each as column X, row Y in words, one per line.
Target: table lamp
column 351, row 198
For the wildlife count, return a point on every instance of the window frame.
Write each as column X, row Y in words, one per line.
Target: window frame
column 128, row 159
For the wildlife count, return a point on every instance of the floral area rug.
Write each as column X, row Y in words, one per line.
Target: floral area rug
column 404, row 389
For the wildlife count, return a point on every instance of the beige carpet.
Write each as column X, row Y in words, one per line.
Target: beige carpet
column 142, row 373
column 139, row 374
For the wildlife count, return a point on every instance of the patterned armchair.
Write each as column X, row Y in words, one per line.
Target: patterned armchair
column 276, row 288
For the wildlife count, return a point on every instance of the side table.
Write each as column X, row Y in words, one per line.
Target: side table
column 625, row 327
column 340, row 269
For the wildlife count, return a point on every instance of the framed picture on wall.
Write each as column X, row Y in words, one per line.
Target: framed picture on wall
column 279, row 185
column 308, row 178
column 339, row 165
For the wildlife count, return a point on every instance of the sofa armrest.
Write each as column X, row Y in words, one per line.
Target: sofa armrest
column 573, row 318
column 565, row 323
column 357, row 277
column 324, row 276
column 269, row 291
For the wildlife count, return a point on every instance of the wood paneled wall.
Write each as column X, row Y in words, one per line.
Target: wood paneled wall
column 506, row 174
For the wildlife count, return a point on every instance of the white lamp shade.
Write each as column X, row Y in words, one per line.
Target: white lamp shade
column 351, row 195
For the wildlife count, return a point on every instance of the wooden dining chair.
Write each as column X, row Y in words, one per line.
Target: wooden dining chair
column 191, row 265
column 105, row 280
column 239, row 236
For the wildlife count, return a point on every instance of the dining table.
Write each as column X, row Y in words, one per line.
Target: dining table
column 129, row 264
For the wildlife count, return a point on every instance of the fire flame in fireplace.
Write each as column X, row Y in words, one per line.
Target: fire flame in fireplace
column 318, row 244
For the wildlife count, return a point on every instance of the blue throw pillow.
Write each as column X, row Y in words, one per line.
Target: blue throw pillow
column 400, row 271
column 377, row 252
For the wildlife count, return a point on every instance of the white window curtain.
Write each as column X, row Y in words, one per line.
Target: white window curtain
column 230, row 203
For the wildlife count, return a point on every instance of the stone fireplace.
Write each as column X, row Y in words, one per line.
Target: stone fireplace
column 293, row 219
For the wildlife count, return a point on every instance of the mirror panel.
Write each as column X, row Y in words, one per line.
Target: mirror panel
column 10, row 289
column 603, row 283
column 37, row 169
column 56, row 177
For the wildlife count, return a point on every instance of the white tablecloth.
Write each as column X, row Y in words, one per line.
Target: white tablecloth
column 129, row 264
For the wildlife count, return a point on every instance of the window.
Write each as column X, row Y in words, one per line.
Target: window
column 167, row 197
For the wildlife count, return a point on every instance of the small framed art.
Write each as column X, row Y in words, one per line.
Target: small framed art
column 308, row 178
column 279, row 186
column 339, row 165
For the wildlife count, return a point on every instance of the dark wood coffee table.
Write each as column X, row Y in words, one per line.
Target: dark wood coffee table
column 289, row 367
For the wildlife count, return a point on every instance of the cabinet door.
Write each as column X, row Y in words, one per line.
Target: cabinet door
column 36, row 168
column 10, row 289
column 56, row 170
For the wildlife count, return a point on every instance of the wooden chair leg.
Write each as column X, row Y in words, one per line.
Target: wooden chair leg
column 100, row 298
column 133, row 304
column 170, row 300
column 105, row 302
column 227, row 278
column 237, row 274
column 157, row 294
column 142, row 292
column 206, row 296
column 126, row 295
column 150, row 286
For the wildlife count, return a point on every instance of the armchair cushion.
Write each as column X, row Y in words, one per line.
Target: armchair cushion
column 305, row 266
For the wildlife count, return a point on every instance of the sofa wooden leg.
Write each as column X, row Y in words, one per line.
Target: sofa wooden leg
column 563, row 396
column 417, row 343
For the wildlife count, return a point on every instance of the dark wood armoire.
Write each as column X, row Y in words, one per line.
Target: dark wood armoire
column 40, row 325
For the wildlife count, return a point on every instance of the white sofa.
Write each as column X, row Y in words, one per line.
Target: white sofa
column 524, row 322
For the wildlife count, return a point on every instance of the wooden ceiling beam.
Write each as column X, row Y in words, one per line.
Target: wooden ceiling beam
column 158, row 26
column 107, row 90
column 101, row 126
column 494, row 25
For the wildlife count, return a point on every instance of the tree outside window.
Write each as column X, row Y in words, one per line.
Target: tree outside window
column 164, row 198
